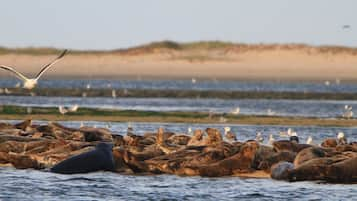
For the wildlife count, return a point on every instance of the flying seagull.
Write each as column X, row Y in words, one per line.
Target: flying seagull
column 30, row 83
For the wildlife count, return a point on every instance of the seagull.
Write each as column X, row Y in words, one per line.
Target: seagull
column 29, row 110
column 31, row 83
column 114, row 94
column 230, row 136
column 348, row 112
column 74, row 108
column 189, row 131
column 309, row 140
column 286, row 133
column 7, row 91
column 235, row 111
column 63, row 110
column 341, row 138
column 259, row 138
column 271, row 139
column 270, row 112
column 222, row 120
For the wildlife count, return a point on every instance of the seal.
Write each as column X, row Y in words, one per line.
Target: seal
column 280, row 171
column 101, row 158
column 343, row 172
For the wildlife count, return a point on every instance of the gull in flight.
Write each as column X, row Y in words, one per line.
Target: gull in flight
column 30, row 83
column 63, row 110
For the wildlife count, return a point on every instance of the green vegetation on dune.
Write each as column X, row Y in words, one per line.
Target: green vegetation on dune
column 177, row 46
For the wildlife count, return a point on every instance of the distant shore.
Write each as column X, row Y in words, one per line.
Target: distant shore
column 106, row 115
column 179, row 93
column 202, row 60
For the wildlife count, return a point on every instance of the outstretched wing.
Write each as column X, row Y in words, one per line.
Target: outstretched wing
column 18, row 74
column 50, row 64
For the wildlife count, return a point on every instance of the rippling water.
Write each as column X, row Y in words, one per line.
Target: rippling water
column 38, row 185
column 199, row 85
column 304, row 108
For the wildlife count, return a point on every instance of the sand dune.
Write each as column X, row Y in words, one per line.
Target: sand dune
column 259, row 63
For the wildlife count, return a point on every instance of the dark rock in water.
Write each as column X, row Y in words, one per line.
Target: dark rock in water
column 280, row 171
column 101, row 158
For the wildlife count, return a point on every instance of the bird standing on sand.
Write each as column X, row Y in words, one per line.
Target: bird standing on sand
column 30, row 83
column 348, row 114
column 235, row 111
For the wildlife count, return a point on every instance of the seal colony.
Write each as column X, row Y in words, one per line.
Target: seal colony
column 207, row 153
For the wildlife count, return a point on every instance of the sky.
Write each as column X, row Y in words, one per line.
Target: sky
column 113, row 24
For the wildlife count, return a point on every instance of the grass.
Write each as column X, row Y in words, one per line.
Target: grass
column 169, row 93
column 9, row 112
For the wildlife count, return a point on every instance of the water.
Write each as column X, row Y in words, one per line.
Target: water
column 221, row 85
column 38, row 185
column 302, row 108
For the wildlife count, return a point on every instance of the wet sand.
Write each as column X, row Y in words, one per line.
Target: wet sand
column 86, row 114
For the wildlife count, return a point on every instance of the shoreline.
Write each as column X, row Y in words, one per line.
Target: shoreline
column 105, row 115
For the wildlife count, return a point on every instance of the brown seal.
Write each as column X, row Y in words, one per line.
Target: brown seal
column 308, row 154
column 238, row 163
column 344, row 171
column 283, row 156
column 287, row 145
column 329, row 143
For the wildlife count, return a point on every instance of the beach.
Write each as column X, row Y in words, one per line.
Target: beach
column 230, row 62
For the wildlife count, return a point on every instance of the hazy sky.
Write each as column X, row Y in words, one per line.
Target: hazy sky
column 110, row 24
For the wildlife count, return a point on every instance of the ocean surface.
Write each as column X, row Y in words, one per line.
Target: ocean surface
column 333, row 86
column 42, row 185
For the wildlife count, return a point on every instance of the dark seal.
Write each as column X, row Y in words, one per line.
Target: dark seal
column 99, row 159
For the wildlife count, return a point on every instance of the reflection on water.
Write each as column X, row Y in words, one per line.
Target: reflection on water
column 198, row 85
column 306, row 108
